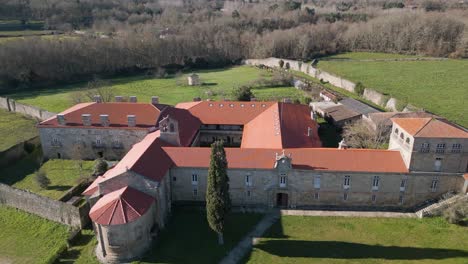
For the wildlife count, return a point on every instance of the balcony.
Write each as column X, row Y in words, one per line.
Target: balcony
column 97, row 145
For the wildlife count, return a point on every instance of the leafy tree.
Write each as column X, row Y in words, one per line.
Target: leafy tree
column 100, row 166
column 359, row 88
column 242, row 93
column 41, row 179
column 218, row 202
column 281, row 63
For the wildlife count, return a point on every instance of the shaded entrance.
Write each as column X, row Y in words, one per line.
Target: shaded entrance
column 282, row 200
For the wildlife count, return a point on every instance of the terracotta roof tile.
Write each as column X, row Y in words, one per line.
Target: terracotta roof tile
column 188, row 124
column 411, row 125
column 430, row 127
column 146, row 115
column 120, row 207
column 321, row 159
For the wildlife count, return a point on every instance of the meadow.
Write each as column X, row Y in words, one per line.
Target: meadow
column 218, row 84
column 438, row 86
column 330, row 240
column 15, row 128
column 26, row 238
column 63, row 174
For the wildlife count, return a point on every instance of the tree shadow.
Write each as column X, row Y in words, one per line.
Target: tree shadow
column 59, row 188
column 347, row 250
column 209, row 84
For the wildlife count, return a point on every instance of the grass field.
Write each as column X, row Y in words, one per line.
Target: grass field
column 218, row 84
column 188, row 239
column 15, row 128
column 439, row 86
column 297, row 239
column 81, row 250
column 63, row 174
column 26, row 238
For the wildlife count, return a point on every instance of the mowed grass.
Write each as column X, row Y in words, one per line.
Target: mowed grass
column 15, row 128
column 63, row 175
column 81, row 250
column 26, row 238
column 188, row 239
column 218, row 84
column 329, row 240
column 439, row 86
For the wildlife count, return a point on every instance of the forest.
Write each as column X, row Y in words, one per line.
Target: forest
column 109, row 37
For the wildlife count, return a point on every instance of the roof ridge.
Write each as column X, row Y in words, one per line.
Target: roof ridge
column 116, row 202
column 428, row 121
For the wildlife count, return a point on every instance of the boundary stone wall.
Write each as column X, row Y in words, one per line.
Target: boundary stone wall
column 378, row 98
column 32, row 111
column 17, row 151
column 43, row 206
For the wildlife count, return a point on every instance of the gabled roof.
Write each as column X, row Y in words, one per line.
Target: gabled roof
column 430, row 128
column 225, row 112
column 146, row 115
column 120, row 207
column 341, row 113
column 358, row 106
column 320, row 159
column 188, row 124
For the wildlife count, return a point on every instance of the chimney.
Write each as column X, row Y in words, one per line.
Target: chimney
column 342, row 145
column 253, row 99
column 86, row 119
column 119, row 98
column 196, row 99
column 61, row 120
column 309, row 132
column 131, row 120
column 133, row 99
column 104, row 120
column 97, row 99
column 154, row 100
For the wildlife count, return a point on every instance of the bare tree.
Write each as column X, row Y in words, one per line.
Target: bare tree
column 101, row 88
column 359, row 135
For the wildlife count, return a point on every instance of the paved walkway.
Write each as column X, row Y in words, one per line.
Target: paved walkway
column 245, row 245
column 347, row 213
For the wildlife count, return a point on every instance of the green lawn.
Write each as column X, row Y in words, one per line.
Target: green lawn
column 26, row 238
column 437, row 86
column 15, row 128
column 63, row 175
column 298, row 239
column 188, row 239
column 81, row 250
column 218, row 84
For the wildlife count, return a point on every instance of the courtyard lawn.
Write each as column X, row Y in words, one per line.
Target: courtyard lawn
column 63, row 174
column 298, row 239
column 218, row 84
column 439, row 86
column 15, row 128
column 188, row 239
column 26, row 238
column 81, row 250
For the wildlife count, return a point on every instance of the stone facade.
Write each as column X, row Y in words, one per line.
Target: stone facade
column 88, row 143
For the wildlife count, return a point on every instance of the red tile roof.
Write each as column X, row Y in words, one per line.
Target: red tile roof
column 226, row 112
column 188, row 124
column 146, row 115
column 430, row 128
column 120, row 207
column 321, row 159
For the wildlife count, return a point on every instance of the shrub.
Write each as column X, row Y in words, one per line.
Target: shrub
column 431, row 6
column 281, row 63
column 41, row 179
column 287, row 66
column 307, row 100
column 359, row 88
column 389, row 5
column 242, row 93
column 100, row 166
column 457, row 213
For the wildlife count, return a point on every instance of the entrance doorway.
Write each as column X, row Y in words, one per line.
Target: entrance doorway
column 282, row 200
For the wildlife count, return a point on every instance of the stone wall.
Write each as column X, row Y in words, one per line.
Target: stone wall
column 43, row 206
column 369, row 94
column 32, row 111
column 16, row 152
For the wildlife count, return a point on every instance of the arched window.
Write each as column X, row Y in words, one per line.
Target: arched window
column 402, row 136
column 396, row 131
column 407, row 140
column 171, row 127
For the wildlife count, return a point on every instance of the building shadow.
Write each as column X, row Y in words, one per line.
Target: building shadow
column 347, row 250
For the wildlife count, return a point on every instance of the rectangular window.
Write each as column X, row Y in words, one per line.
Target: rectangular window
column 440, row 148
column 194, row 179
column 248, row 193
column 195, row 192
column 317, row 182
column 345, row 196
column 248, row 180
column 425, row 147
column 375, row 183
column 174, row 178
column 347, row 181
column 434, row 184
column 403, row 185
column 374, row 198
column 282, row 181
column 316, row 196
column 456, row 148
column 400, row 199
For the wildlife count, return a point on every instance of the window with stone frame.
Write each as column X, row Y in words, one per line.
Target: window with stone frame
column 434, row 184
column 248, row 180
column 375, row 183
column 402, row 136
column 316, row 196
column 345, row 196
column 456, row 148
column 425, row 147
column 401, row 199
column 346, row 182
column 317, row 181
column 194, row 178
column 440, row 148
column 374, row 198
column 283, row 181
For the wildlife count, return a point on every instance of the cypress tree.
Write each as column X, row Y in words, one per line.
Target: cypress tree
column 218, row 202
